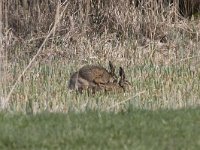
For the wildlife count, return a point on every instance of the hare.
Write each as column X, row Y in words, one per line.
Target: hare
column 90, row 77
column 122, row 86
column 98, row 74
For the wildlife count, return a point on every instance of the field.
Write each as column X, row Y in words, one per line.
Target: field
column 44, row 42
column 134, row 129
column 154, row 87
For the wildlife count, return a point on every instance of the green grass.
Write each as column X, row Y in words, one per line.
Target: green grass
column 44, row 88
column 133, row 129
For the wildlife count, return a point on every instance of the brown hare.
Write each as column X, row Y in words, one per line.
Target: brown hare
column 98, row 74
column 122, row 86
column 90, row 77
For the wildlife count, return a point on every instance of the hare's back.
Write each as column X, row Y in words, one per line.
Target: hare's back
column 91, row 73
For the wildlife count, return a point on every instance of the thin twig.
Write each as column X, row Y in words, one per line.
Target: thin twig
column 122, row 102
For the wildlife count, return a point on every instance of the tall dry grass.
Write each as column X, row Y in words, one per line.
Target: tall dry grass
column 94, row 28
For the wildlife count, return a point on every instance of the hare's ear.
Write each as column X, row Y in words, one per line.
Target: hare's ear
column 112, row 68
column 121, row 73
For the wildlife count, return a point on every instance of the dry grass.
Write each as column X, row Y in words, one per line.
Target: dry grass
column 158, row 48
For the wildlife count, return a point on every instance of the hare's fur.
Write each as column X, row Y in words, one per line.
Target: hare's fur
column 79, row 84
column 90, row 77
column 98, row 74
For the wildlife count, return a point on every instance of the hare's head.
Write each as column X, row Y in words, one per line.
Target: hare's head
column 122, row 86
column 125, row 84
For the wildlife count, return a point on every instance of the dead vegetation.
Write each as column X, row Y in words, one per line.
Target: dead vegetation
column 95, row 28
